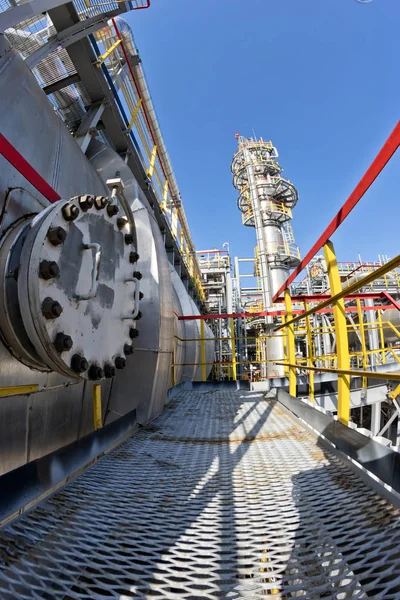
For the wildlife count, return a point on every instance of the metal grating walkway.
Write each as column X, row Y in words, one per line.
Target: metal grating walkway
column 224, row 496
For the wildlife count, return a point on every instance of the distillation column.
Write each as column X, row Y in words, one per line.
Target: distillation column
column 266, row 200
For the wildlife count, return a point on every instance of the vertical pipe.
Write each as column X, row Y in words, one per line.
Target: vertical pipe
column 203, row 351
column 97, row 410
column 342, row 343
column 291, row 348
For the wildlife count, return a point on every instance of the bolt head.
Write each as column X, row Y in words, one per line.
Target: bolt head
column 138, row 316
column 128, row 349
column 133, row 257
column 70, row 212
column 133, row 333
column 56, row 235
column 141, row 295
column 137, row 275
column 120, row 362
column 79, row 364
column 95, row 373
column 128, row 239
column 109, row 371
column 48, row 269
column 112, row 210
column 51, row 309
column 63, row 342
column 86, row 202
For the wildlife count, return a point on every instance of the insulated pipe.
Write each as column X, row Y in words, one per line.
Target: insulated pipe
column 125, row 32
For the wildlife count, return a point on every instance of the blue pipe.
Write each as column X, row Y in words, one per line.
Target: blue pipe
column 115, row 94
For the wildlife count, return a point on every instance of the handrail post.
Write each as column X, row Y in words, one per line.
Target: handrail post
column 291, row 348
column 363, row 344
column 233, row 347
column 97, row 409
column 203, row 351
column 309, row 355
column 342, row 343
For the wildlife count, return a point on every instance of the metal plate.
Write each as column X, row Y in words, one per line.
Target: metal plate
column 224, row 496
column 94, row 287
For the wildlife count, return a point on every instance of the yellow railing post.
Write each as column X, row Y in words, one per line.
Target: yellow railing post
column 106, row 54
column 342, row 343
column 134, row 114
column 97, row 414
column 203, row 351
column 165, row 196
column 233, row 346
column 363, row 344
column 381, row 336
column 309, row 355
column 290, row 344
column 152, row 162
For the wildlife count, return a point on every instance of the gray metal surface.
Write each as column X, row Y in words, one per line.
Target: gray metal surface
column 224, row 496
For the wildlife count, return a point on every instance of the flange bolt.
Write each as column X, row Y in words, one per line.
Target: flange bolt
column 79, row 363
column 137, row 275
column 133, row 257
column 128, row 239
column 141, row 295
column 86, row 202
column 109, row 371
column 133, row 333
column 70, row 212
column 95, row 373
column 51, row 309
column 56, row 235
column 128, row 349
column 63, row 342
column 112, row 210
column 48, row 269
column 100, row 202
column 138, row 316
column 122, row 222
column 120, row 362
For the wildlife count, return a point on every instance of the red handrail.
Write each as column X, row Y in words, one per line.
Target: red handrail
column 381, row 160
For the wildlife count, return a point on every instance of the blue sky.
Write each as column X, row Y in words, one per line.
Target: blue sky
column 318, row 77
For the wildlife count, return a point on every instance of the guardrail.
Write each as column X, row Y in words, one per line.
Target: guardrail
column 337, row 294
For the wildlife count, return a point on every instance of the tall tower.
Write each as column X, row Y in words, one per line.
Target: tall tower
column 266, row 200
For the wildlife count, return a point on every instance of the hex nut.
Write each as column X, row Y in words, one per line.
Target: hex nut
column 128, row 239
column 122, row 222
column 109, row 371
column 95, row 373
column 138, row 316
column 51, row 309
column 63, row 342
column 128, row 349
column 112, row 210
column 120, row 362
column 141, row 295
column 79, row 364
column 133, row 333
column 86, row 202
column 133, row 257
column 56, row 235
column 137, row 275
column 48, row 269
column 70, row 212
column 100, row 202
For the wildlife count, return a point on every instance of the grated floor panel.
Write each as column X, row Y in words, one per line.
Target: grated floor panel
column 224, row 496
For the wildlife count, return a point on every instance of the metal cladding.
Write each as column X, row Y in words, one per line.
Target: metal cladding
column 266, row 200
column 73, row 275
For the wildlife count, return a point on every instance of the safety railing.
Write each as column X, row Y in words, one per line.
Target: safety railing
column 336, row 299
column 116, row 65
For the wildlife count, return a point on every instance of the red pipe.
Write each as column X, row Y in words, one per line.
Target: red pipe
column 383, row 157
column 18, row 162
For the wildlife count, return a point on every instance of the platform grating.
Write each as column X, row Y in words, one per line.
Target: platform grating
column 224, row 496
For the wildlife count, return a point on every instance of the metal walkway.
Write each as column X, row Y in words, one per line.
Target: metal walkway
column 224, row 496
